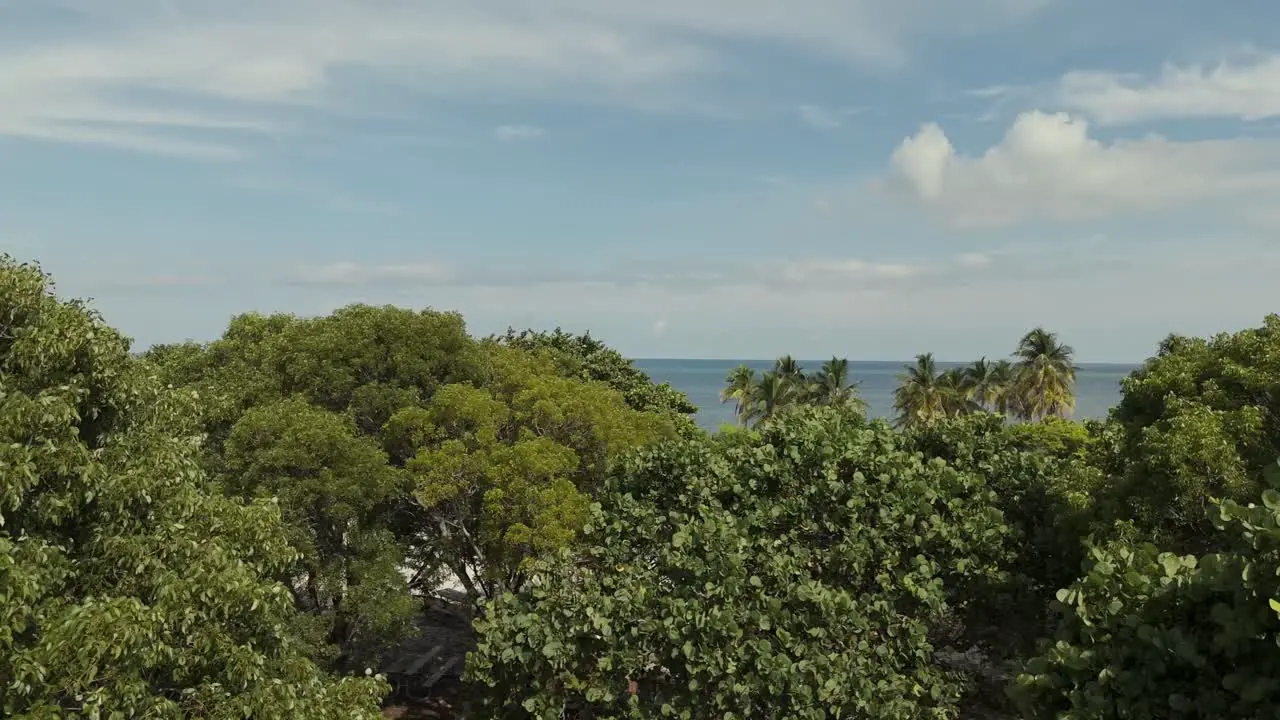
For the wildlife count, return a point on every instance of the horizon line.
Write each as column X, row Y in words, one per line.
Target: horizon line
column 1125, row 363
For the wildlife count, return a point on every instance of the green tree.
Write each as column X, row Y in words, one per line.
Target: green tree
column 587, row 358
column 793, row 572
column 739, row 389
column 774, row 392
column 1199, row 420
column 787, row 367
column 1044, row 376
column 831, row 386
column 295, row 408
column 957, row 392
column 988, row 383
column 129, row 588
column 507, row 470
column 338, row 496
column 921, row 396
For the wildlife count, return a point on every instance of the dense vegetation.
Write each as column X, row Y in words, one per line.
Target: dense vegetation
column 240, row 528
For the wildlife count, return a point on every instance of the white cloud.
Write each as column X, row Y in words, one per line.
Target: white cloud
column 1247, row 90
column 659, row 327
column 512, row 133
column 808, row 271
column 1048, row 167
column 820, row 118
column 74, row 68
column 973, row 260
column 351, row 273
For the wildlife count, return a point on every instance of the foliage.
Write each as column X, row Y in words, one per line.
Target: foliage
column 127, row 588
column 507, row 470
column 1044, row 376
column 337, row 495
column 1054, row 436
column 1154, row 634
column 788, row 386
column 922, row 396
column 586, row 358
column 795, row 571
column 1199, row 420
column 294, row 408
column 1045, row 494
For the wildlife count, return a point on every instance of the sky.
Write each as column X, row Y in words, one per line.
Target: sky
column 683, row 178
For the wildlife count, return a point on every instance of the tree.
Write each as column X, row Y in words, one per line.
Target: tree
column 831, row 386
column 338, row 497
column 988, row 383
column 1044, row 380
column 128, row 587
column 1156, row 634
column 507, row 470
column 921, row 395
column 587, row 358
column 739, row 389
column 1199, row 420
column 295, row 408
column 793, row 572
column 774, row 392
column 957, row 393
column 787, row 367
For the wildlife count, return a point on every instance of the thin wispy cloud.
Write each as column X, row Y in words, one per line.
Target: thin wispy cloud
column 1247, row 89
column 359, row 274
column 186, row 68
column 514, row 133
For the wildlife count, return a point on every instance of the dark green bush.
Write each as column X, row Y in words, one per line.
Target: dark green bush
column 1146, row 634
column 794, row 572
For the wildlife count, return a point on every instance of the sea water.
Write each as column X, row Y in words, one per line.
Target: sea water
column 1097, row 385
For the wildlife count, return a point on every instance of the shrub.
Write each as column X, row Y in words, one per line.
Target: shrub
column 793, row 572
column 1150, row 634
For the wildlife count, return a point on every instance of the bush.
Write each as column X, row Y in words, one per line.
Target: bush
column 1147, row 634
column 794, row 572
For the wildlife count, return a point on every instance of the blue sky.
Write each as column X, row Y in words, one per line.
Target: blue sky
column 686, row 178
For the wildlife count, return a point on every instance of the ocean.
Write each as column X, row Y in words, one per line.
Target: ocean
column 1097, row 384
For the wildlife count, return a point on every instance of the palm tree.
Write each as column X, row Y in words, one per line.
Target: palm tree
column 774, row 392
column 1045, row 377
column 1002, row 377
column 921, row 394
column 740, row 386
column 957, row 394
column 787, row 367
column 831, row 386
column 987, row 383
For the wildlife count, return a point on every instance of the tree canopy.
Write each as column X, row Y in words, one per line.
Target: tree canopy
column 404, row 452
column 129, row 587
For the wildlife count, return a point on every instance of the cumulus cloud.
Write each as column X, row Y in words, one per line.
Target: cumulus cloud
column 512, row 133
column 196, row 78
column 1047, row 166
column 1248, row 90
